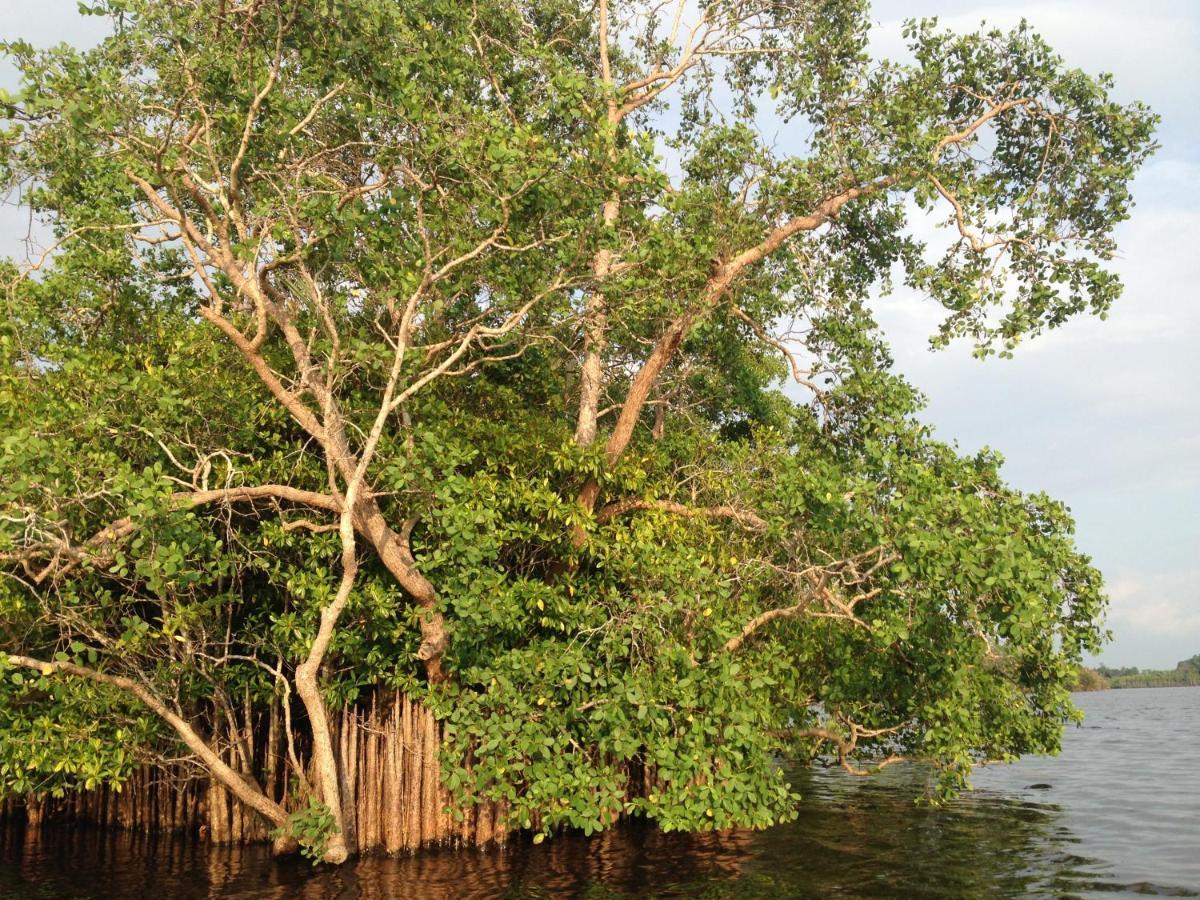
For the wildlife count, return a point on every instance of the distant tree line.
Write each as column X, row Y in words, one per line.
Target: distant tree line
column 1186, row 673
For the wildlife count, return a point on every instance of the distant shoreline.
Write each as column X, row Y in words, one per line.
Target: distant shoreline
column 1134, row 687
column 1102, row 678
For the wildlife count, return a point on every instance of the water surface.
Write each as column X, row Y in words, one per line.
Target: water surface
column 1117, row 814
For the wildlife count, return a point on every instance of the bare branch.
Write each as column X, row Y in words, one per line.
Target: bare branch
column 798, row 372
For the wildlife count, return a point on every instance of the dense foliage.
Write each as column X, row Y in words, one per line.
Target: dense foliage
column 443, row 346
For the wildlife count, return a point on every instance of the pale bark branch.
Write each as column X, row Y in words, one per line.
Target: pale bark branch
column 316, row 108
column 798, row 371
column 237, row 785
column 788, row 612
column 716, row 287
column 846, row 746
column 98, row 549
column 725, row 275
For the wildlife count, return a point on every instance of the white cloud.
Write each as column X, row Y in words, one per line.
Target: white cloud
column 1105, row 415
column 1149, row 46
column 1157, row 616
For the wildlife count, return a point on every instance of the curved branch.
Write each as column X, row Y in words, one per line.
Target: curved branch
column 726, row 273
column 314, row 499
column 98, row 548
column 798, row 372
column 716, row 287
column 845, row 747
column 788, row 612
column 229, row 779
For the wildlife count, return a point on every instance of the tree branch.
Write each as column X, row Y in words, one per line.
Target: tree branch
column 716, row 287
column 798, row 372
column 788, row 612
column 229, row 779
column 98, row 548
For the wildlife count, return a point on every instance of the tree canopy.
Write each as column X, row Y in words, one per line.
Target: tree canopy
column 446, row 346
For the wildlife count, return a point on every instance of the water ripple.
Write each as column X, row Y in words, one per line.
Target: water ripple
column 1118, row 813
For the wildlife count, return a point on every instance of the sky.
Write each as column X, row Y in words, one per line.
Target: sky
column 1105, row 416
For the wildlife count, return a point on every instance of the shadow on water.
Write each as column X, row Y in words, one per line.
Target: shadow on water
column 853, row 838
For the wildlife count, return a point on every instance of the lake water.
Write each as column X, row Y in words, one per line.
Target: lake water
column 1117, row 814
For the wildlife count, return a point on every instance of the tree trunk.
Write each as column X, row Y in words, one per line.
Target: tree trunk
column 337, row 850
column 591, row 383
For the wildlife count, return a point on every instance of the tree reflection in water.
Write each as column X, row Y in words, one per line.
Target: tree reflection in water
column 853, row 837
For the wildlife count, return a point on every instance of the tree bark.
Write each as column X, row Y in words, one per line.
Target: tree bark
column 715, row 289
column 394, row 553
column 591, row 383
column 337, row 848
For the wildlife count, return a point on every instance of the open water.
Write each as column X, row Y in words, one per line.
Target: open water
column 1117, row 814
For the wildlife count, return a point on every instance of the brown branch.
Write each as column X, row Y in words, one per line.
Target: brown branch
column 788, row 612
column 958, row 137
column 723, row 278
column 846, row 746
column 316, row 107
column 259, row 492
column 292, row 403
column 309, row 525
column 817, row 579
column 798, row 372
column 715, row 289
